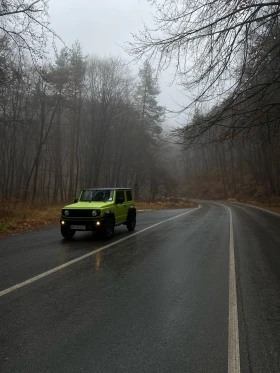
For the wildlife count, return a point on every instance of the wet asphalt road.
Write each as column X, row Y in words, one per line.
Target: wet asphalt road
column 155, row 302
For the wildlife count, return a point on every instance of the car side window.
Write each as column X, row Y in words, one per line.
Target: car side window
column 128, row 195
column 120, row 194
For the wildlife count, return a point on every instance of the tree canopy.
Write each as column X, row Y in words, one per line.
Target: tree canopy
column 219, row 48
column 24, row 24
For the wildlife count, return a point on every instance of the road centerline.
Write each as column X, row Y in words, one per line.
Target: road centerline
column 233, row 332
column 58, row 268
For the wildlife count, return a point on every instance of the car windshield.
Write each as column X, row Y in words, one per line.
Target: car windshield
column 97, row 195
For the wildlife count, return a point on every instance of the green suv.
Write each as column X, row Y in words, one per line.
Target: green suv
column 99, row 210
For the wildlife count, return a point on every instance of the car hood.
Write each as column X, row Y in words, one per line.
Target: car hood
column 89, row 205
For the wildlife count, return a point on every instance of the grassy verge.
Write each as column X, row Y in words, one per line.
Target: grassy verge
column 164, row 205
column 273, row 205
column 18, row 217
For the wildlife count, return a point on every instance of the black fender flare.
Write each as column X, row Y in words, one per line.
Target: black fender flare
column 131, row 211
column 109, row 215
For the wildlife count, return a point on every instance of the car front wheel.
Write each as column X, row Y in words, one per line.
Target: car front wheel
column 67, row 233
column 108, row 229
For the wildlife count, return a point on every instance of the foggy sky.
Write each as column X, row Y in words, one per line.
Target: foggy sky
column 102, row 26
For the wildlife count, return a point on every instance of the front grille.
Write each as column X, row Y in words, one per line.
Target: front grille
column 84, row 213
column 89, row 224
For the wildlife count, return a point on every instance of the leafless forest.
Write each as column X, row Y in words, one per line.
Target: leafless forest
column 81, row 121
column 227, row 55
column 76, row 122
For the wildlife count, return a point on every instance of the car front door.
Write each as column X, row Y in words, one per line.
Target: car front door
column 121, row 207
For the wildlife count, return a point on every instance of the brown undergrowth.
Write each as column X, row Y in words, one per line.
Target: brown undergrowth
column 164, row 205
column 16, row 217
column 273, row 205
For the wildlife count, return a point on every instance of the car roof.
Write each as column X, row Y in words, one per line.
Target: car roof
column 107, row 188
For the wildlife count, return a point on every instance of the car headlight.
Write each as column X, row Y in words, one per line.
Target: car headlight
column 94, row 213
column 66, row 213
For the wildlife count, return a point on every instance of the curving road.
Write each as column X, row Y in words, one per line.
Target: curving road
column 160, row 299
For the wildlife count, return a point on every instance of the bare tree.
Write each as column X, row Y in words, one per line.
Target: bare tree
column 211, row 45
column 75, row 124
column 25, row 24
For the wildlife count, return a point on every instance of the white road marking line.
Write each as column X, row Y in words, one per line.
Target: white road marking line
column 233, row 333
column 56, row 269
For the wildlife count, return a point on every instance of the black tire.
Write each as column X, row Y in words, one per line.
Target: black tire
column 108, row 229
column 67, row 233
column 131, row 222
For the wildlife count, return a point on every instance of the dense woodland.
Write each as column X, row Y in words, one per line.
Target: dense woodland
column 227, row 57
column 81, row 121
column 240, row 137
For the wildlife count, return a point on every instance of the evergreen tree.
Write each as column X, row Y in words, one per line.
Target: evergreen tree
column 152, row 115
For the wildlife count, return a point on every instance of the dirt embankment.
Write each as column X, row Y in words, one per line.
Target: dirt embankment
column 273, row 206
column 165, row 205
column 17, row 217
column 211, row 186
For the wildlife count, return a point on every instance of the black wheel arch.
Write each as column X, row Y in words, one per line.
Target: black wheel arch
column 131, row 211
column 109, row 215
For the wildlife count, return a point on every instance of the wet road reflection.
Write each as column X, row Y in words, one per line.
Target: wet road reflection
column 157, row 302
column 27, row 255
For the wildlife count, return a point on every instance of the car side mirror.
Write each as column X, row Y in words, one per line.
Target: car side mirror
column 75, row 200
column 119, row 200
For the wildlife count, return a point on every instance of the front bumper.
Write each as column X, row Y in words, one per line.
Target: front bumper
column 91, row 224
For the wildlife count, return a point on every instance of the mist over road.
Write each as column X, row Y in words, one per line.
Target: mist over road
column 154, row 300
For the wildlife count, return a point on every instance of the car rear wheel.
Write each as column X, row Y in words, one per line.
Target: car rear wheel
column 131, row 222
column 67, row 233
